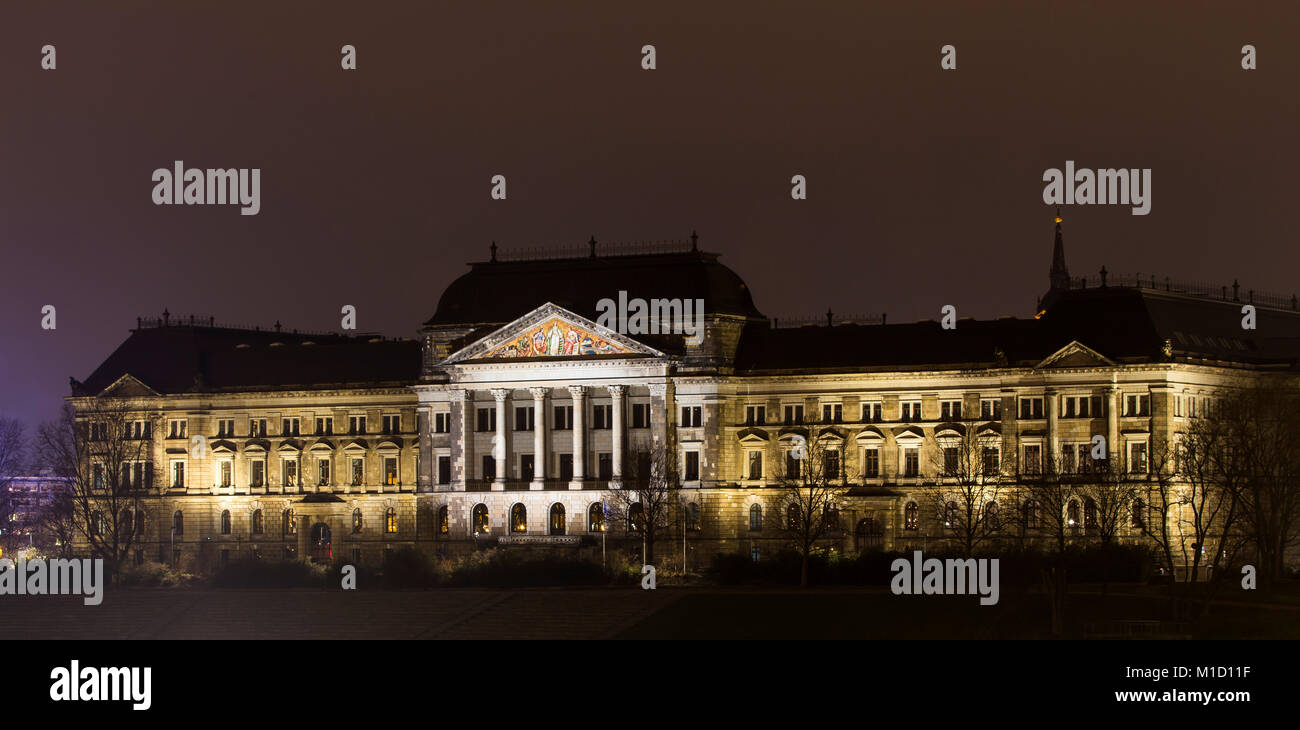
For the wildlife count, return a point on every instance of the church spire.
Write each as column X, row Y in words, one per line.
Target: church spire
column 1060, row 273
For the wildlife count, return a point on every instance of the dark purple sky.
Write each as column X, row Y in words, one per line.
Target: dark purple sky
column 925, row 186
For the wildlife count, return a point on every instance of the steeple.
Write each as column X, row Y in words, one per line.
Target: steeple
column 1059, row 277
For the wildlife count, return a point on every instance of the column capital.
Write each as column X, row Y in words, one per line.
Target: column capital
column 617, row 391
column 658, row 389
column 539, row 393
column 460, row 395
column 577, row 391
column 501, row 394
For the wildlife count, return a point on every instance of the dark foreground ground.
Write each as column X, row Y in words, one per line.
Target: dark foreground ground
column 596, row 613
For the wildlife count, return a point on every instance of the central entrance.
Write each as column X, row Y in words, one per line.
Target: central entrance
column 322, row 550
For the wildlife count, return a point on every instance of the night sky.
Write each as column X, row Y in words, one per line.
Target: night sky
column 924, row 186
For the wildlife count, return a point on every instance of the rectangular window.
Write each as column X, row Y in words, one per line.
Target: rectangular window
column 257, row 473
column 1137, row 405
column 566, row 467
column 257, row 427
column 871, row 463
column 225, row 427
column 911, row 462
column 692, row 416
column 1067, row 458
column 755, row 415
column 1033, row 458
column 486, row 420
column 602, row 417
column 356, row 425
column 289, row 427
column 290, row 472
column 1137, row 458
column 640, row 415
column 176, row 429
column 1031, row 407
column 524, row 418
column 444, row 470
column 489, row 467
column 793, row 415
column 358, row 472
column 392, row 424
column 792, row 470
column 832, row 412
column 140, row 430
column 951, row 461
column 322, row 472
column 911, row 410
column 871, row 413
column 563, row 418
column 992, row 460
column 692, row 466
column 526, row 466
column 831, row 465
column 324, row 426
column 950, row 410
column 604, row 466
column 991, row 409
column 390, row 470
column 442, row 422
column 755, row 465
column 97, row 476
column 178, row 474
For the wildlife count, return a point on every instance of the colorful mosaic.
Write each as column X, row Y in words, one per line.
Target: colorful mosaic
column 557, row 338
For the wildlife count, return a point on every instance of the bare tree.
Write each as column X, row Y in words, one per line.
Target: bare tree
column 1112, row 493
column 812, row 487
column 104, row 450
column 648, row 503
column 965, row 498
column 1049, row 510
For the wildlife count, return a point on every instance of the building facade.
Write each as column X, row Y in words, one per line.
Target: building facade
column 524, row 407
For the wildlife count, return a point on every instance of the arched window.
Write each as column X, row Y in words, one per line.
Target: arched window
column 290, row 526
column 792, row 517
column 356, row 521
column 755, row 518
column 950, row 515
column 1139, row 513
column 519, row 518
column 259, row 522
column 1030, row 510
column 443, row 526
column 596, row 517
column 991, row 515
column 1072, row 513
column 390, row 521
column 1090, row 513
column 225, row 522
column 911, row 516
column 178, row 522
column 635, row 517
column 557, row 519
column 693, row 517
column 481, row 518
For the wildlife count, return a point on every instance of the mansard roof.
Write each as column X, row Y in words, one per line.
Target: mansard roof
column 1120, row 325
column 177, row 359
column 496, row 292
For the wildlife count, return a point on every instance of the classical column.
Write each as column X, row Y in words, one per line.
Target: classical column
column 616, row 394
column 579, row 393
column 462, row 448
column 1050, row 400
column 1113, row 448
column 539, row 438
column 499, row 450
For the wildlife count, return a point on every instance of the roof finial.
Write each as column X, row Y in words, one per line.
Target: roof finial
column 695, row 240
column 166, row 316
column 592, row 244
column 493, row 248
column 277, row 325
column 1059, row 275
column 1235, row 287
column 1103, row 274
column 829, row 316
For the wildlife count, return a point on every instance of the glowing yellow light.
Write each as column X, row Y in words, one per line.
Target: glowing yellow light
column 1040, row 314
column 1058, row 219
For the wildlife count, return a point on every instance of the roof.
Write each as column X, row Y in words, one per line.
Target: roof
column 186, row 359
column 496, row 292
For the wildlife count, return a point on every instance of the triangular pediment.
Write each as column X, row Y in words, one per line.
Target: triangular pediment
column 551, row 331
column 1075, row 355
column 128, row 386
